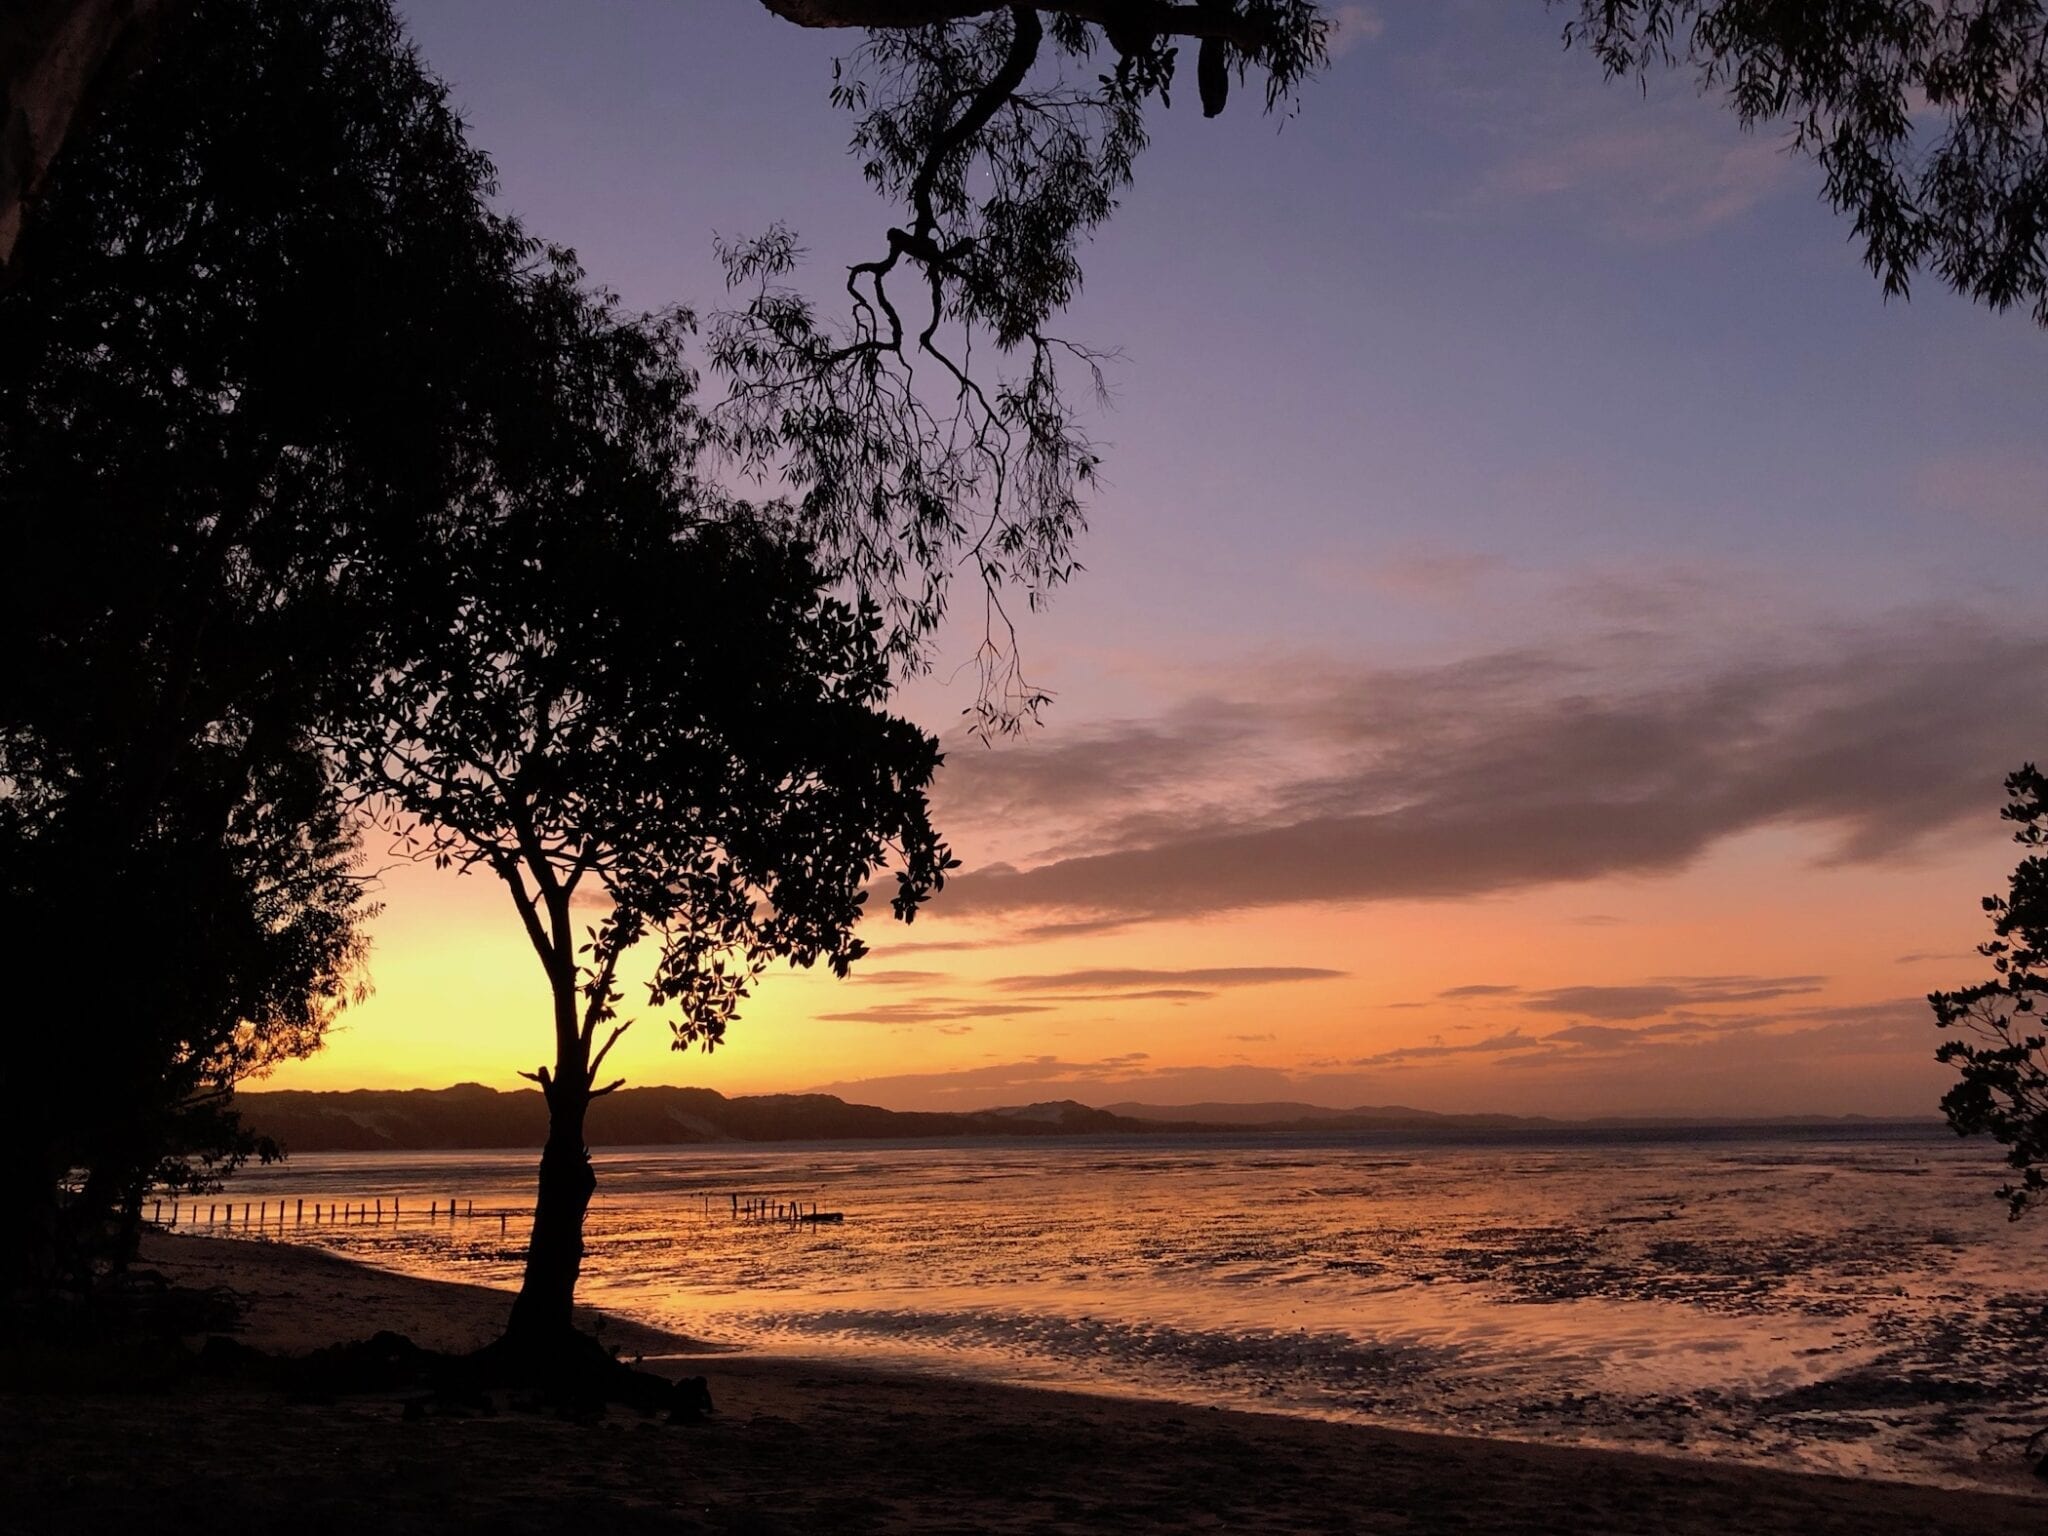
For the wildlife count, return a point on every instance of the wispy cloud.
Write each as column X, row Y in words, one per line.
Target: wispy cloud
column 1421, row 574
column 1206, row 976
column 935, row 1010
column 1869, row 1057
column 1054, row 990
column 1492, row 1045
column 2009, row 487
column 1665, row 993
column 1539, row 765
column 1662, row 178
column 1101, row 1080
column 943, row 946
column 1651, row 165
column 1353, row 26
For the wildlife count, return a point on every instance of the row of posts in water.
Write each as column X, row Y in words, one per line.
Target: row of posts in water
column 258, row 1213
column 768, row 1208
column 324, row 1213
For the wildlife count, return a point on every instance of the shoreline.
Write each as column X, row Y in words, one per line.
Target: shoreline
column 801, row 1445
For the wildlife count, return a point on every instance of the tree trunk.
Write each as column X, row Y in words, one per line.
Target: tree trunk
column 55, row 56
column 554, row 1254
column 541, row 1327
column 30, row 1249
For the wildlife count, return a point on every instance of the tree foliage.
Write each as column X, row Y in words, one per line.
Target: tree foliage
column 252, row 335
column 2000, row 1046
column 323, row 477
column 649, row 718
column 1004, row 135
column 646, row 708
column 1929, row 121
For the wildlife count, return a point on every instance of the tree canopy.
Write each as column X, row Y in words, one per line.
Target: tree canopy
column 1004, row 134
column 1004, row 138
column 1999, row 1043
column 645, row 705
column 266, row 342
column 648, row 717
column 248, row 363
column 328, row 481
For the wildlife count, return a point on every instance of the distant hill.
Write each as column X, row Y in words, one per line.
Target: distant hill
column 1400, row 1119
column 1319, row 1117
column 470, row 1115
column 1266, row 1114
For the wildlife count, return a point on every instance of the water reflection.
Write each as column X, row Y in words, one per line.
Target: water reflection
column 1848, row 1304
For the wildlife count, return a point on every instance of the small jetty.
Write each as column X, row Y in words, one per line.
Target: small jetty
column 770, row 1209
column 274, row 1217
column 270, row 1216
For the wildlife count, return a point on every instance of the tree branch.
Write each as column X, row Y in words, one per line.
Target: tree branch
column 598, row 997
column 1200, row 21
column 1025, row 35
column 508, row 871
column 606, row 1049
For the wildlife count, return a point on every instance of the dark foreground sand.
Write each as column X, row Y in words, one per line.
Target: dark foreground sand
column 799, row 1448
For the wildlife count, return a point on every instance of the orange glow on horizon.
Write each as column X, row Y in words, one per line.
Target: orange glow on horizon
column 460, row 997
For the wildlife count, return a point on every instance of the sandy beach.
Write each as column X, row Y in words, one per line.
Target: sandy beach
column 798, row 1447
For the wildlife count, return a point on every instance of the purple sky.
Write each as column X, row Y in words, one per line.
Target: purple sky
column 1522, row 507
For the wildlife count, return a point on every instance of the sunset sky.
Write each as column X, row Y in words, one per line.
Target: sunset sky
column 1552, row 634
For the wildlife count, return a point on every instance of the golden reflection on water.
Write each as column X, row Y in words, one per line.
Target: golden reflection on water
column 1842, row 1303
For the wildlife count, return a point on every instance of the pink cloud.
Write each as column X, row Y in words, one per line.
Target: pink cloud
column 1653, row 181
column 2006, row 487
column 1353, row 26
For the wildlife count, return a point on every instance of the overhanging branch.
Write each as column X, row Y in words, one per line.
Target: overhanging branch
column 1156, row 16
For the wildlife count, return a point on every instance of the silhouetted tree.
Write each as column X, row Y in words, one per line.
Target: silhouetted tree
column 233, row 918
column 2001, row 1046
column 57, row 56
column 1004, row 143
column 1283, row 37
column 253, row 360
column 652, row 723
column 1004, row 148
column 1930, row 122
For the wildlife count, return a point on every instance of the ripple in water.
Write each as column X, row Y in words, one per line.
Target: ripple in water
column 1841, row 1303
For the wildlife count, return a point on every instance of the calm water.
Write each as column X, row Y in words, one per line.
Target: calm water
column 1842, row 1303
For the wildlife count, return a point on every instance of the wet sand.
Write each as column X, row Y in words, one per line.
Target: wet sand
column 797, row 1447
